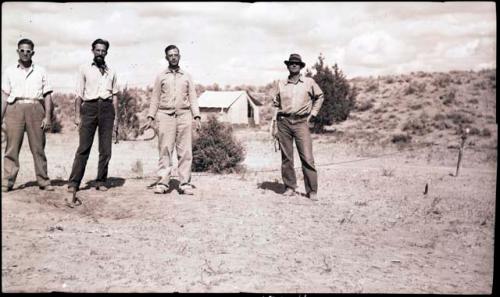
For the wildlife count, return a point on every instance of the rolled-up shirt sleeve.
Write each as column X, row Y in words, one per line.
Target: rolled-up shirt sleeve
column 6, row 85
column 318, row 98
column 155, row 98
column 46, row 86
column 193, row 98
column 275, row 93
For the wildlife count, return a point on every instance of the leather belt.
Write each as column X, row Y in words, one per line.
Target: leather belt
column 96, row 100
column 23, row 100
column 292, row 116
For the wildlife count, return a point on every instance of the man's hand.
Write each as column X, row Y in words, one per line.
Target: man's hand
column 198, row 124
column 78, row 121
column 148, row 125
column 46, row 124
column 274, row 129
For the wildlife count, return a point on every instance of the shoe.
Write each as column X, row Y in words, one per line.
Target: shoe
column 6, row 189
column 312, row 196
column 186, row 189
column 49, row 188
column 289, row 192
column 101, row 188
column 161, row 189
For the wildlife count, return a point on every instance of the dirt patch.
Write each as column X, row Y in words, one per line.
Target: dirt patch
column 372, row 230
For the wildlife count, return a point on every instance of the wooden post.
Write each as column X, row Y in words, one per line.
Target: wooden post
column 461, row 150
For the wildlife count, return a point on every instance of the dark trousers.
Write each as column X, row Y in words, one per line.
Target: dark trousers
column 18, row 119
column 98, row 113
column 288, row 130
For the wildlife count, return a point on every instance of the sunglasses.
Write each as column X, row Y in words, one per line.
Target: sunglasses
column 293, row 63
column 25, row 51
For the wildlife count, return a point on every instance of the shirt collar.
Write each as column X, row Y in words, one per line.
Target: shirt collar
column 22, row 67
column 179, row 70
column 105, row 66
column 291, row 82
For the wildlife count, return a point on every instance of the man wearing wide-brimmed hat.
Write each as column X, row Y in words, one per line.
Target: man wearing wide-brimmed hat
column 298, row 100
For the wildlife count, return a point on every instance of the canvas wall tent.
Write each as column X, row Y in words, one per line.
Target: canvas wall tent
column 235, row 107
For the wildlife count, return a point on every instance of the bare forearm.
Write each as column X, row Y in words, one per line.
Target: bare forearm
column 115, row 106
column 4, row 104
column 78, row 104
column 48, row 106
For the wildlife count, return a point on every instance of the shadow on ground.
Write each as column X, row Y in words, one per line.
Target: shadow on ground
column 273, row 186
column 113, row 182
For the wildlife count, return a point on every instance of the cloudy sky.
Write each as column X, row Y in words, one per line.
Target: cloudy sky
column 232, row 43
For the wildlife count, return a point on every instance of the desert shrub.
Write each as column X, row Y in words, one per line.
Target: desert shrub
column 419, row 126
column 416, row 106
column 339, row 95
column 442, row 80
column 389, row 80
column 459, row 118
column 449, row 97
column 439, row 117
column 63, row 111
column 363, row 106
column 480, row 85
column 215, row 149
column 128, row 110
column 415, row 88
column 485, row 132
column 474, row 131
column 372, row 86
column 400, row 138
column 56, row 116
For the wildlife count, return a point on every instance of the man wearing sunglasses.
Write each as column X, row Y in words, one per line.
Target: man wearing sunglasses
column 298, row 100
column 96, row 109
column 26, row 106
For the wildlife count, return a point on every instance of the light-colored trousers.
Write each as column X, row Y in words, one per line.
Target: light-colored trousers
column 175, row 131
column 19, row 118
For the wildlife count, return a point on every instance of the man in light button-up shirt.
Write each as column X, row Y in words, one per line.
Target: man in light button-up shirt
column 298, row 100
column 174, row 104
column 96, row 108
column 26, row 106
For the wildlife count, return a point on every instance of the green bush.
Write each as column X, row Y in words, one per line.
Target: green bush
column 215, row 149
column 339, row 95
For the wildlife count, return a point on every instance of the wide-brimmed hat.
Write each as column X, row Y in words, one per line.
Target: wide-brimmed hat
column 295, row 58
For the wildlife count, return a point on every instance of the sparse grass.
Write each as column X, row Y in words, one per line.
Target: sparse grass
column 388, row 172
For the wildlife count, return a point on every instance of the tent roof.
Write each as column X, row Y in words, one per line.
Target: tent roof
column 222, row 99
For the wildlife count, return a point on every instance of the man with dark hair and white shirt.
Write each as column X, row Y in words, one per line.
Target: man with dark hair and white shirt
column 26, row 106
column 96, row 108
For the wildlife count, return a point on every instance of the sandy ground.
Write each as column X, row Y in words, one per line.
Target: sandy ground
column 372, row 230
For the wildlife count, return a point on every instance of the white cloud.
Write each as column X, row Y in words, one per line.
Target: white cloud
column 246, row 43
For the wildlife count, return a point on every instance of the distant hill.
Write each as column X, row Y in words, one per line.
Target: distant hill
column 428, row 107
